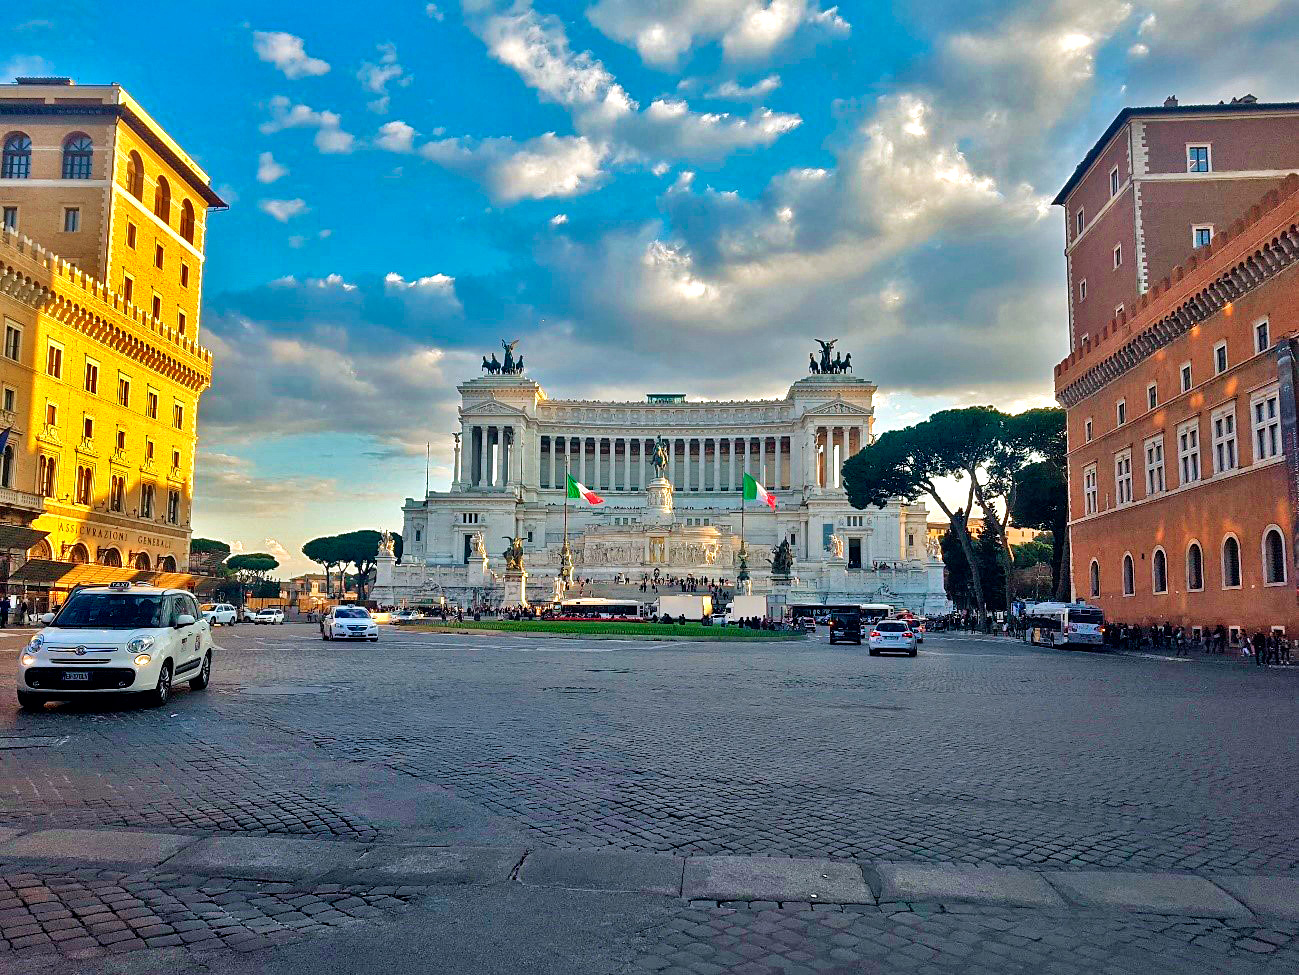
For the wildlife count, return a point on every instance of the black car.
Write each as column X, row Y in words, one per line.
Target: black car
column 845, row 628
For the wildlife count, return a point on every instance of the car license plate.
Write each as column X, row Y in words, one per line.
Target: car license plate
column 76, row 675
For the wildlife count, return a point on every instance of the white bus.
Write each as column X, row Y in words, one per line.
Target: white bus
column 874, row 612
column 1063, row 624
column 599, row 609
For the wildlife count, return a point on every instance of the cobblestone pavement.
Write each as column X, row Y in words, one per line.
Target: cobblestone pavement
column 978, row 751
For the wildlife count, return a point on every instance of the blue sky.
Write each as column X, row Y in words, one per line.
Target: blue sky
column 648, row 193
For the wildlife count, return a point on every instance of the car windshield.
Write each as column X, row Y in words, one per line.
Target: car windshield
column 110, row 611
column 350, row 613
column 892, row 627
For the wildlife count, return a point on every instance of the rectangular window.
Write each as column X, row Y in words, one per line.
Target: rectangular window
column 87, row 428
column 1223, row 424
column 1080, row 221
column 1123, row 477
column 1118, row 311
column 151, row 404
column 11, row 218
column 180, row 322
column 92, row 376
column 157, row 307
column 178, row 416
column 1262, row 340
column 1201, row 235
column 158, row 255
column 1087, row 429
column 130, row 235
column 121, row 439
column 1197, row 159
column 1265, row 409
column 1114, row 181
column 1121, row 412
column 148, row 450
column 1188, row 451
column 1089, row 490
column 123, row 389
column 10, row 400
column 1220, row 358
column 1152, row 395
column 71, row 219
column 51, row 414
column 1118, row 254
column 184, row 275
column 54, row 361
column 13, row 341
column 1082, row 290
column 1154, row 465
column 128, row 288
column 175, row 460
column 1186, row 377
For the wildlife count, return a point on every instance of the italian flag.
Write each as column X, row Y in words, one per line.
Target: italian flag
column 576, row 489
column 753, row 491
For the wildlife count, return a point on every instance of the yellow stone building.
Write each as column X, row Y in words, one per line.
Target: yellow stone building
column 101, row 273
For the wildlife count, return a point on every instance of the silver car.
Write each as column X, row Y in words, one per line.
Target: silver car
column 893, row 635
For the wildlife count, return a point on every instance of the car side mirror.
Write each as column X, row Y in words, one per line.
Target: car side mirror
column 47, row 618
column 184, row 619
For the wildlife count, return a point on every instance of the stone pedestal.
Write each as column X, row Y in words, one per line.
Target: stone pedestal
column 658, row 502
column 516, row 589
column 836, row 575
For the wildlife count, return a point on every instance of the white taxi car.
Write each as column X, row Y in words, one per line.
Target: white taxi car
column 220, row 614
column 349, row 623
column 892, row 635
column 271, row 614
column 118, row 639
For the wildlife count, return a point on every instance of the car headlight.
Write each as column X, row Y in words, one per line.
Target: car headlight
column 28, row 659
column 142, row 660
column 140, row 645
column 37, row 643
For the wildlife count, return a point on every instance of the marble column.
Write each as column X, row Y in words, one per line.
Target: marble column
column 641, row 482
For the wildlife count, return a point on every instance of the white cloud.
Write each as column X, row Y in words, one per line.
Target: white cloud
column 547, row 166
column 439, row 289
column 375, row 78
column 559, row 219
column 395, row 136
column 31, row 65
column 537, row 48
column 268, row 170
column 330, row 136
column 662, row 31
column 283, row 210
column 288, row 53
column 734, row 90
column 432, row 10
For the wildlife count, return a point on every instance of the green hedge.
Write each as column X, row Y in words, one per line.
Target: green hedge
column 693, row 631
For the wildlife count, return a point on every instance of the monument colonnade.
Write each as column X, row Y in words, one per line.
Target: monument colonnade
column 809, row 455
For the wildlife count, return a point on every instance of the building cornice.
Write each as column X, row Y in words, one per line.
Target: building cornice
column 1252, row 252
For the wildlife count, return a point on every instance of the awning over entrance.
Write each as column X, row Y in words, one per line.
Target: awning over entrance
column 19, row 538
column 49, row 574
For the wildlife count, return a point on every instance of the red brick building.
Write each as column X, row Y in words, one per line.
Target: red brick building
column 1183, row 439
column 1157, row 184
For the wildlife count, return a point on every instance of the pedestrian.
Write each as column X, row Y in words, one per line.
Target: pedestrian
column 1260, row 648
column 4, row 611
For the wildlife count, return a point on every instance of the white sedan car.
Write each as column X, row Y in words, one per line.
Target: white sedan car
column 220, row 614
column 118, row 639
column 895, row 635
column 271, row 614
column 349, row 623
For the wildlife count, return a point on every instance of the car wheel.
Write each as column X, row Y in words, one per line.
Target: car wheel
column 162, row 692
column 873, row 652
column 204, row 674
column 859, row 643
column 30, row 702
column 912, row 653
column 374, row 639
column 324, row 635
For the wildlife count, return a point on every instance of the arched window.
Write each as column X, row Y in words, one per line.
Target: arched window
column 47, row 469
column 7, row 467
column 78, row 554
column 162, row 200
column 85, row 485
column 1095, row 573
column 135, row 176
column 111, row 556
column 78, row 153
column 1230, row 563
column 1129, row 586
column 41, row 550
column 142, row 561
column 187, row 221
column 17, row 161
column 1159, row 571
column 1273, row 556
column 1194, row 568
